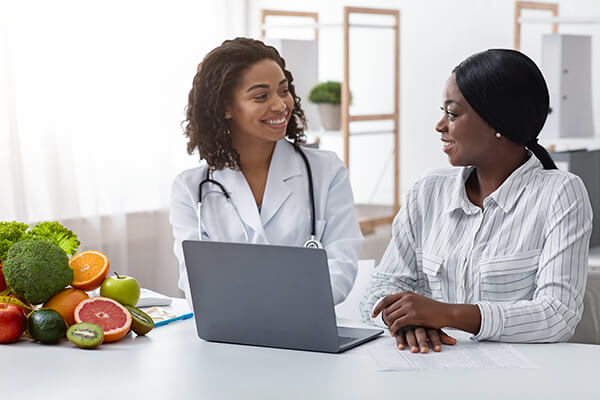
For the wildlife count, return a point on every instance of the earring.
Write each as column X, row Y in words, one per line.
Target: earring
column 498, row 135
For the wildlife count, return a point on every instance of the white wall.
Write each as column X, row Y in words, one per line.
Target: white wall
column 435, row 36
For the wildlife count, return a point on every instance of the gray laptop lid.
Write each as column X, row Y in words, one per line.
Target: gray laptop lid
column 263, row 295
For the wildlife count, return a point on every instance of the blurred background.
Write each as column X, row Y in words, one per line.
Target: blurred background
column 93, row 94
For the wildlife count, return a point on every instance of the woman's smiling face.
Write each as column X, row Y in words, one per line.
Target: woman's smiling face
column 261, row 104
column 467, row 139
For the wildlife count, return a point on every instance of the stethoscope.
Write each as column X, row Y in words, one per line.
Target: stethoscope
column 312, row 243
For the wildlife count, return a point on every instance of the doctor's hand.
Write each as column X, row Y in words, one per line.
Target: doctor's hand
column 414, row 319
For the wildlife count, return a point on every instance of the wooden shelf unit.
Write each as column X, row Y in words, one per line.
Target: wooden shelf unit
column 530, row 5
column 369, row 216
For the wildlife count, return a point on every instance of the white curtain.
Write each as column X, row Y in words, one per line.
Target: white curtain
column 92, row 95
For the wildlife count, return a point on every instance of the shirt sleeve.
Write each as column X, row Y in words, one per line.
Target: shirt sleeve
column 341, row 236
column 397, row 271
column 557, row 304
column 184, row 222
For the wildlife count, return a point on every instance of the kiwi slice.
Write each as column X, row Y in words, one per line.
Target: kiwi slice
column 141, row 323
column 86, row 335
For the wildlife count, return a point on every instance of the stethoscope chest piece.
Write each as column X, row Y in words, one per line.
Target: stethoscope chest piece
column 313, row 243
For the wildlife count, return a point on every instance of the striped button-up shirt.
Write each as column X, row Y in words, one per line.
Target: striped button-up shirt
column 522, row 259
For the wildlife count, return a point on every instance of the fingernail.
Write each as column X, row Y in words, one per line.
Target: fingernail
column 401, row 347
column 437, row 348
column 414, row 349
column 424, row 350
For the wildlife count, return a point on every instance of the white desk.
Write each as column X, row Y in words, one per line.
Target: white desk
column 173, row 363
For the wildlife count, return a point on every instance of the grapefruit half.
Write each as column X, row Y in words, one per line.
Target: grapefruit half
column 112, row 317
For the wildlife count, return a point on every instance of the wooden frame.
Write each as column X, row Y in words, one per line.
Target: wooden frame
column 369, row 216
column 530, row 5
column 395, row 116
column 265, row 13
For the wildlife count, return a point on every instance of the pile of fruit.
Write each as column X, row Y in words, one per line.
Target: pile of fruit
column 43, row 291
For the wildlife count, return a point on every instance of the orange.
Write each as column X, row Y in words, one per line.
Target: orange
column 111, row 316
column 65, row 302
column 90, row 268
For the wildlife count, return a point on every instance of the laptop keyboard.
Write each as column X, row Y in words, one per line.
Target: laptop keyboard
column 343, row 340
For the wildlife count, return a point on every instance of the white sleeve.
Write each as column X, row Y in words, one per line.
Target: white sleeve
column 185, row 227
column 397, row 271
column 341, row 237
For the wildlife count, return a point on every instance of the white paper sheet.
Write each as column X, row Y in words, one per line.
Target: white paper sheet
column 465, row 354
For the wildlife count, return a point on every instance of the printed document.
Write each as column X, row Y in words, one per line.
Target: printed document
column 465, row 354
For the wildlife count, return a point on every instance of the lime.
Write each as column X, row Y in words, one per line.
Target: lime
column 46, row 326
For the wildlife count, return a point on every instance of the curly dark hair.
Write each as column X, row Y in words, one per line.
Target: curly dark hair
column 218, row 74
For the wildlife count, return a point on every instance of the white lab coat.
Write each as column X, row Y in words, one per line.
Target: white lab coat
column 285, row 215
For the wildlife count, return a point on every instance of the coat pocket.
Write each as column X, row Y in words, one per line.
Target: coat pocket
column 509, row 278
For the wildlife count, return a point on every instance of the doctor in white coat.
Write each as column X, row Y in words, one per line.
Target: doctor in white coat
column 246, row 122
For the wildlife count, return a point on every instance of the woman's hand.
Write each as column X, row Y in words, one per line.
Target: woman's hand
column 420, row 339
column 407, row 308
column 417, row 320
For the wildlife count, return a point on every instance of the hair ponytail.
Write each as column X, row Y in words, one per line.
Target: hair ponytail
column 541, row 153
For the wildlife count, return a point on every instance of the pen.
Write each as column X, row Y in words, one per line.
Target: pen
column 179, row 318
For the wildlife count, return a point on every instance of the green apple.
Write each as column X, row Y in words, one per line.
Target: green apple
column 122, row 288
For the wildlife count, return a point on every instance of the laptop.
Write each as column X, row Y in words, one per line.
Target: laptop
column 266, row 295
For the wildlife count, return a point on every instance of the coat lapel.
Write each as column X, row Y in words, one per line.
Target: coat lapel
column 285, row 164
column 236, row 185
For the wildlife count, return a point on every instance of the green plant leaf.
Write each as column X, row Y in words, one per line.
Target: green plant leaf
column 326, row 92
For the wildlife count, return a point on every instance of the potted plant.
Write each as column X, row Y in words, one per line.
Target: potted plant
column 327, row 96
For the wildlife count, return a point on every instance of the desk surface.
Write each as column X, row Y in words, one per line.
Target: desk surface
column 172, row 362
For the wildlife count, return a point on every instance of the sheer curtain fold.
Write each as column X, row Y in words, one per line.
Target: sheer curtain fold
column 91, row 101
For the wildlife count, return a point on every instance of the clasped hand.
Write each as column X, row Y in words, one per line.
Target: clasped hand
column 415, row 321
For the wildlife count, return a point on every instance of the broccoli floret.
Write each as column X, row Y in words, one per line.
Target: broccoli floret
column 36, row 270
column 54, row 232
column 10, row 233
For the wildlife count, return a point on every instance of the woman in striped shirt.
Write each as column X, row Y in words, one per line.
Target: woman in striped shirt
column 499, row 247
